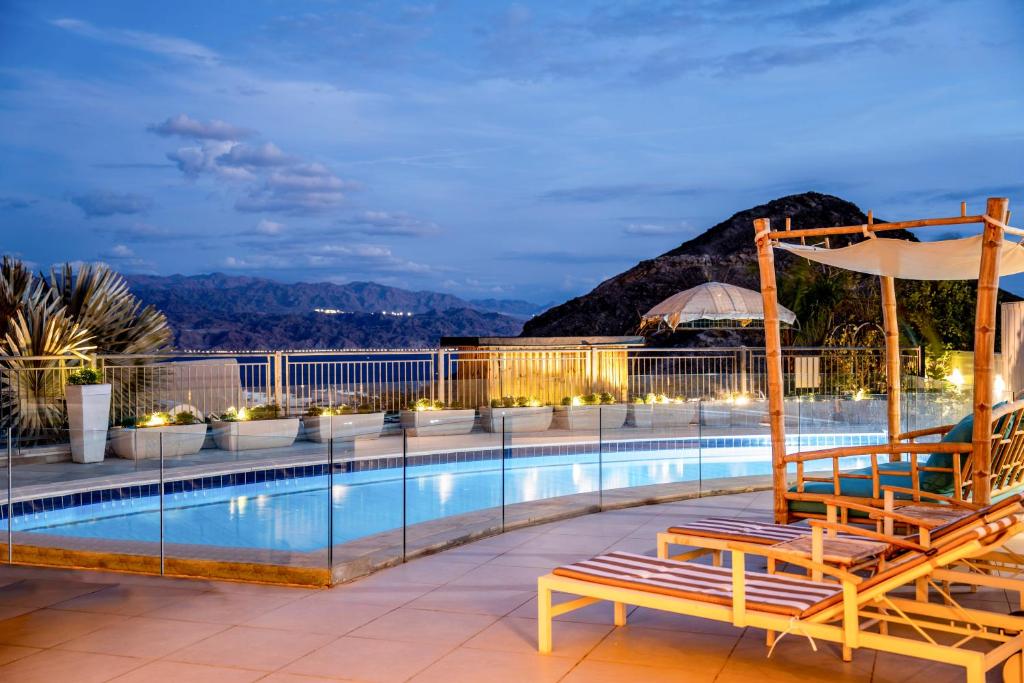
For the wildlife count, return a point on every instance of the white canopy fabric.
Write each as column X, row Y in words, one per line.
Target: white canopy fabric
column 712, row 301
column 957, row 259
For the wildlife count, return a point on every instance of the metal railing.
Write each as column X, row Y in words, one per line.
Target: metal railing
column 32, row 388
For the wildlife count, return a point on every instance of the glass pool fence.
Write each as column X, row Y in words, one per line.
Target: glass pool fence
column 323, row 500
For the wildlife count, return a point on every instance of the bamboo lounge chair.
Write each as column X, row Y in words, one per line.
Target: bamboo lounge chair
column 985, row 257
column 841, row 611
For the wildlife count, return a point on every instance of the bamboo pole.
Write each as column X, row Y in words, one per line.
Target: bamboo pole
column 878, row 227
column 984, row 348
column 773, row 363
column 892, row 356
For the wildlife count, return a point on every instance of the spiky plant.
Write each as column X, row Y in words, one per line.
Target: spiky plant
column 70, row 313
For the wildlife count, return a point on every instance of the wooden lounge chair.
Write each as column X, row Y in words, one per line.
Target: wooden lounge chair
column 944, row 477
column 840, row 611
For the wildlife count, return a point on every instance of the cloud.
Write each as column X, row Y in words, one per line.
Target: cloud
column 265, row 227
column 14, row 203
column 306, row 188
column 604, row 193
column 267, row 154
column 344, row 260
column 105, row 203
column 154, row 43
column 122, row 257
column 185, row 126
column 398, row 224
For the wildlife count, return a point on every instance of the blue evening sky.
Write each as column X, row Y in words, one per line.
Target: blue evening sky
column 524, row 150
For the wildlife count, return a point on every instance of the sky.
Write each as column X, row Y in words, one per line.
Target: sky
column 486, row 149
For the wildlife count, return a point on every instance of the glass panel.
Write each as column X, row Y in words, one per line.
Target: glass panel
column 265, row 511
column 551, row 461
column 91, row 510
column 453, row 478
column 368, row 512
column 649, row 451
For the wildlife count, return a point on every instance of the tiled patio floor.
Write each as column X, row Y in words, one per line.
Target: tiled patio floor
column 463, row 615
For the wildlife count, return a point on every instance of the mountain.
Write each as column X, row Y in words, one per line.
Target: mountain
column 219, row 311
column 240, row 294
column 726, row 253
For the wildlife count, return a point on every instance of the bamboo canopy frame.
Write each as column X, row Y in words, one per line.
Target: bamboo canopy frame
column 994, row 227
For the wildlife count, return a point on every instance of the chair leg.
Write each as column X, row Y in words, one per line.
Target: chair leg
column 847, row 653
column 543, row 620
column 620, row 614
column 716, row 558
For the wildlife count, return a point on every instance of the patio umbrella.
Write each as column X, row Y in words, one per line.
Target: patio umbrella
column 712, row 301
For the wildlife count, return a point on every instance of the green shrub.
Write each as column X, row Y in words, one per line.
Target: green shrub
column 85, row 376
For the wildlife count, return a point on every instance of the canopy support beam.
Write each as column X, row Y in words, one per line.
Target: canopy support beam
column 890, row 324
column 773, row 363
column 984, row 349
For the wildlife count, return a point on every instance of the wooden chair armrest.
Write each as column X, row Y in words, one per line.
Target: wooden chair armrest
column 931, row 431
column 873, row 535
column 793, row 558
column 932, row 496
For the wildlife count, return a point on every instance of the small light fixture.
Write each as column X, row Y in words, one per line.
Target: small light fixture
column 956, row 378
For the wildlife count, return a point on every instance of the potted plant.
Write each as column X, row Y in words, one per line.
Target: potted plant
column 253, row 428
column 519, row 414
column 588, row 412
column 88, row 406
column 322, row 423
column 434, row 418
column 179, row 434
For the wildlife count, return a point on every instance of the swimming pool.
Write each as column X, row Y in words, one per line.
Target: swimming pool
column 292, row 514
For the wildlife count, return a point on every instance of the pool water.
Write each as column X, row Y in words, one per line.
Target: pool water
column 291, row 515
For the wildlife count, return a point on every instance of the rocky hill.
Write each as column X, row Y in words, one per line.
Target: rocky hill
column 726, row 253
column 218, row 311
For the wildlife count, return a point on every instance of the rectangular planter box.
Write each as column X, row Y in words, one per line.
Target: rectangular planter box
column 585, row 418
column 516, row 419
column 88, row 408
column 640, row 415
column 323, row 428
column 250, row 435
column 675, row 414
column 144, row 443
column 438, row 422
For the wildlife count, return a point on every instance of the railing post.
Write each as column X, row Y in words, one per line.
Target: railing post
column 439, row 373
column 10, row 497
column 162, row 557
column 743, row 370
column 279, row 384
column 330, row 499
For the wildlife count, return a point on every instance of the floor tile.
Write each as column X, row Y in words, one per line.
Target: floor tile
column 252, row 648
column 64, row 665
column 593, row 671
column 428, row 626
column 128, row 599
column 142, row 637
column 369, row 659
column 49, row 627
column 180, row 672
column 519, row 634
column 473, row 599
column 317, row 615
column 467, row 665
column 45, row 592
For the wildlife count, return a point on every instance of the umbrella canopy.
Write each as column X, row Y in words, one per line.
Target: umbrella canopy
column 712, row 301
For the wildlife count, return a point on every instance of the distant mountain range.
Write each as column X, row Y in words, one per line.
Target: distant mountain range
column 219, row 311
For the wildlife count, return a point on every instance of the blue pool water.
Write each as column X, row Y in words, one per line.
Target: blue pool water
column 291, row 514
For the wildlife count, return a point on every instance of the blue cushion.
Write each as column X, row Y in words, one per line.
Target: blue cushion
column 962, row 432
column 861, row 488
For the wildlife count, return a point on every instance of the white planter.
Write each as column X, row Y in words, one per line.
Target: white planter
column 516, row 419
column 585, row 418
column 675, row 414
column 352, row 426
column 447, row 422
column 640, row 415
column 144, row 442
column 88, row 408
column 250, row 435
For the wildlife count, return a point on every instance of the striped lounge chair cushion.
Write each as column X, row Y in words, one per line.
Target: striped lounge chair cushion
column 692, row 581
column 732, row 529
